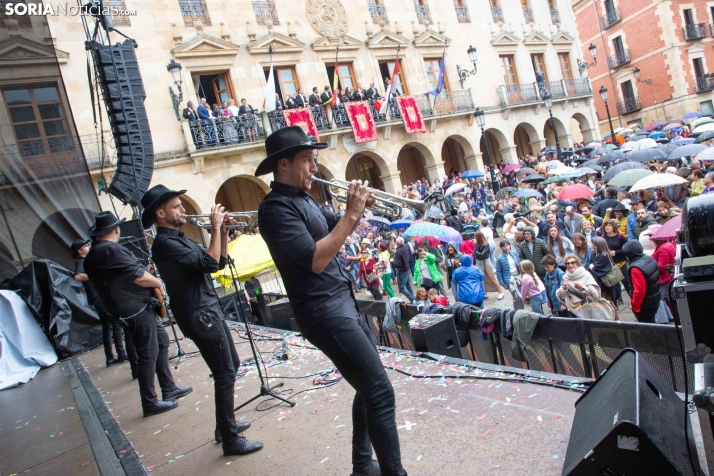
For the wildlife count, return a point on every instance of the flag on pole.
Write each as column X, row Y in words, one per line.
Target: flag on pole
column 269, row 102
column 392, row 86
column 440, row 81
column 334, row 100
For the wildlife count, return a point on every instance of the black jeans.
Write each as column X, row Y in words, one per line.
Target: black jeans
column 110, row 328
column 152, row 348
column 349, row 344
column 214, row 340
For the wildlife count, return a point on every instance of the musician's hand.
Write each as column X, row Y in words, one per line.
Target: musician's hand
column 357, row 197
column 225, row 228
column 218, row 215
column 162, row 292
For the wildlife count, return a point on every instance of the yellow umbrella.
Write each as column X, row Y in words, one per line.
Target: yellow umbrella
column 251, row 256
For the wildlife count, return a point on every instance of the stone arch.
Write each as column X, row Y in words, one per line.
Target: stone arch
column 192, row 232
column 56, row 233
column 497, row 142
column 559, row 129
column 367, row 165
column 415, row 161
column 242, row 193
column 526, row 138
column 581, row 128
column 457, row 153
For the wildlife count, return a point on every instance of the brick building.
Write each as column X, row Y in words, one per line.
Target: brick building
column 668, row 44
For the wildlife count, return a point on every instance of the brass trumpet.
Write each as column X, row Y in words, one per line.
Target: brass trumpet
column 249, row 219
column 386, row 203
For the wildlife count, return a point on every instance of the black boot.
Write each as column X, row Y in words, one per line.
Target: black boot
column 177, row 393
column 112, row 361
column 241, row 427
column 123, row 357
column 241, row 446
column 372, row 471
column 159, row 407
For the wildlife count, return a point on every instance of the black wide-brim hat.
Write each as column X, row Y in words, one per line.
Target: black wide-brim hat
column 104, row 222
column 76, row 245
column 152, row 199
column 621, row 208
column 282, row 143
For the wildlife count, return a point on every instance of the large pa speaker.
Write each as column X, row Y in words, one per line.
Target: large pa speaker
column 435, row 333
column 279, row 315
column 124, row 93
column 629, row 422
column 132, row 238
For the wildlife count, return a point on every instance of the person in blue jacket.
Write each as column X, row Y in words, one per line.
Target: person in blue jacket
column 469, row 283
column 506, row 263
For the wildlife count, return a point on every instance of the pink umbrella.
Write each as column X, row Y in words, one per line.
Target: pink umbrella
column 510, row 168
column 433, row 242
column 574, row 192
column 649, row 128
column 668, row 231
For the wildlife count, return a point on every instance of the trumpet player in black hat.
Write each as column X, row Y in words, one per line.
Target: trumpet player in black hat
column 186, row 269
column 128, row 290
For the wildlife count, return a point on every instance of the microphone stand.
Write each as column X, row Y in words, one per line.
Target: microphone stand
column 265, row 389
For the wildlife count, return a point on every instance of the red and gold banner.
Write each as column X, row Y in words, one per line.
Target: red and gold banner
column 302, row 117
column 411, row 114
column 360, row 115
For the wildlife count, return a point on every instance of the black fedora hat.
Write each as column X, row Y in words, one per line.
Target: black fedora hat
column 104, row 222
column 151, row 200
column 76, row 245
column 621, row 208
column 282, row 143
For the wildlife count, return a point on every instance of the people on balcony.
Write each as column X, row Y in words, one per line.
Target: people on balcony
column 359, row 95
column 279, row 106
column 204, row 114
column 326, row 95
column 232, row 108
column 301, row 99
column 315, row 98
column 372, row 92
column 291, row 103
column 247, row 112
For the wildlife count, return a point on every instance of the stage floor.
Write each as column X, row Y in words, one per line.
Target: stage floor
column 446, row 426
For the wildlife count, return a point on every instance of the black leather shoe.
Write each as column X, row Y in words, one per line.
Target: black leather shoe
column 374, row 471
column 177, row 393
column 241, row 427
column 123, row 357
column 241, row 446
column 112, row 361
column 159, row 407
column 134, row 374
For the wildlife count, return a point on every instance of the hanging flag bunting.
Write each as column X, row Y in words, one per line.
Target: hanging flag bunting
column 392, row 86
column 440, row 81
column 269, row 102
column 411, row 114
column 302, row 117
column 360, row 115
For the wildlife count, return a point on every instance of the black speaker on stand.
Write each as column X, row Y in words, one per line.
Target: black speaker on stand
column 630, row 422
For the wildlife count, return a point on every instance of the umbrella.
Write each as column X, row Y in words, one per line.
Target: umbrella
column 599, row 151
column 587, row 170
column 594, row 144
column 626, row 134
column 589, row 163
column 595, row 167
column 472, row 174
column 528, row 192
column 560, row 170
column 435, row 212
column 510, row 168
column 705, row 136
column 647, row 155
column 627, row 147
column 574, row 192
column 660, row 123
column 525, row 172
column 533, row 178
column 455, row 188
column 581, row 159
column 575, row 173
column 506, row 191
column 587, row 150
column 669, row 127
column 619, row 168
column 646, row 143
column 400, row 224
column 553, row 164
column 628, row 178
column 379, row 221
column 701, row 120
column 703, row 128
column 649, row 127
column 547, row 149
column 613, row 156
column 566, row 153
column 657, row 181
column 668, row 231
column 692, row 115
column 707, row 154
column 658, row 134
column 684, row 151
column 662, row 140
column 430, row 229
column 555, row 179
column 610, row 146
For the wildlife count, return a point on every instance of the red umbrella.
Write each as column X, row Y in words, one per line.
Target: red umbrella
column 433, row 242
column 668, row 231
column 510, row 168
column 573, row 192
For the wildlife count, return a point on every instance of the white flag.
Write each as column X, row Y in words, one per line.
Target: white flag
column 385, row 101
column 269, row 103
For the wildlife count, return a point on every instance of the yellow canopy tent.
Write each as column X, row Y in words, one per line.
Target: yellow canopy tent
column 251, row 256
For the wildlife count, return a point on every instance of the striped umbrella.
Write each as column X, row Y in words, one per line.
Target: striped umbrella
column 628, row 178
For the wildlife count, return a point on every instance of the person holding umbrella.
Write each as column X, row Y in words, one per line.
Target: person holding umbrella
column 426, row 274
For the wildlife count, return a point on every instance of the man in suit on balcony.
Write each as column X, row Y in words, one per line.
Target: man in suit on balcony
column 300, row 99
column 204, row 113
column 279, row 106
column 290, row 103
column 315, row 98
column 326, row 95
column 372, row 92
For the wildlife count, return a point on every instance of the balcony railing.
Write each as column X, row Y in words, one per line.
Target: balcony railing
column 629, row 105
column 462, row 13
column 532, row 92
column 227, row 132
column 705, row 83
column 449, row 102
column 519, row 93
column 423, row 14
column 554, row 16
column 277, row 120
column 339, row 117
column 618, row 59
column 578, row 87
column 610, row 18
column 694, row 32
column 194, row 10
column 556, row 89
column 378, row 12
column 497, row 13
column 265, row 11
column 424, row 105
column 321, row 120
column 528, row 15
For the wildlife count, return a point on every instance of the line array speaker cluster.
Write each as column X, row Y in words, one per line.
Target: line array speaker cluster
column 123, row 91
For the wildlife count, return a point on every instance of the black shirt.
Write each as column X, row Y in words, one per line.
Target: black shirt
column 113, row 268
column 89, row 287
column 291, row 222
column 184, row 267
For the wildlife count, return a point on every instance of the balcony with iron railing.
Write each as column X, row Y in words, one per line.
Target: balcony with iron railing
column 497, row 13
column 528, row 15
column 578, row 87
column 554, row 16
column 695, row 31
column 194, row 10
column 378, row 12
column 629, row 105
column 227, row 131
column 610, row 18
column 705, row 83
column 518, row 94
column 618, row 59
column 451, row 102
column 264, row 11
column 423, row 14
column 462, row 13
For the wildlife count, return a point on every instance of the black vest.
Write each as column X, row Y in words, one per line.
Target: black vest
column 650, row 270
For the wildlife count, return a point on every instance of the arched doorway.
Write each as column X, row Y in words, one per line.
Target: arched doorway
column 411, row 165
column 315, row 186
column 241, row 193
column 364, row 167
column 524, row 135
column 56, row 233
column 550, row 136
column 581, row 129
column 496, row 142
column 453, row 155
column 192, row 232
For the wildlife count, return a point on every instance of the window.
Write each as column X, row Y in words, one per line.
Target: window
column 194, row 10
column 617, row 44
column 462, row 11
column 508, row 70
column 422, row 12
column 38, row 120
column 554, row 13
column 609, row 7
column 119, row 20
column 527, row 12
column 565, row 69
column 432, row 73
column 698, row 67
column 627, row 91
column 539, row 66
column 688, row 16
column 386, row 68
column 265, row 11
column 23, row 21
column 286, row 81
column 345, row 73
column 496, row 11
column 377, row 11
column 706, row 108
column 215, row 87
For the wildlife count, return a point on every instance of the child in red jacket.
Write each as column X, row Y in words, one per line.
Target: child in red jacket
column 435, row 298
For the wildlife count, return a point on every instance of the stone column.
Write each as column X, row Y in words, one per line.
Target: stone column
column 435, row 171
column 566, row 140
column 509, row 155
column 537, row 145
column 392, row 183
column 589, row 135
column 475, row 162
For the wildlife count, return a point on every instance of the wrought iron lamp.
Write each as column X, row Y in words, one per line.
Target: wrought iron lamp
column 481, row 122
column 174, row 68
column 464, row 73
column 582, row 65
column 548, row 101
column 603, row 95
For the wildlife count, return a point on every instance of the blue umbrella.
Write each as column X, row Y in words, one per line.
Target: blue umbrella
column 574, row 173
column 429, row 229
column 435, row 212
column 528, row 192
column 684, row 141
column 400, row 223
column 379, row 221
column 657, row 134
column 566, row 153
column 472, row 174
column 692, row 115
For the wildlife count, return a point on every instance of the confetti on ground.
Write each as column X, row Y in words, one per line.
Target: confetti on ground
column 86, row 463
column 557, row 417
column 532, row 395
column 423, row 412
column 486, row 432
column 496, row 466
column 166, row 425
column 418, row 457
column 481, row 417
column 540, row 418
column 157, row 432
column 494, row 404
column 555, row 456
column 324, row 460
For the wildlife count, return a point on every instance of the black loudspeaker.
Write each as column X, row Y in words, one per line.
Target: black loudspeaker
column 280, row 315
column 124, row 93
column 236, row 306
column 629, row 422
column 132, row 237
column 435, row 333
